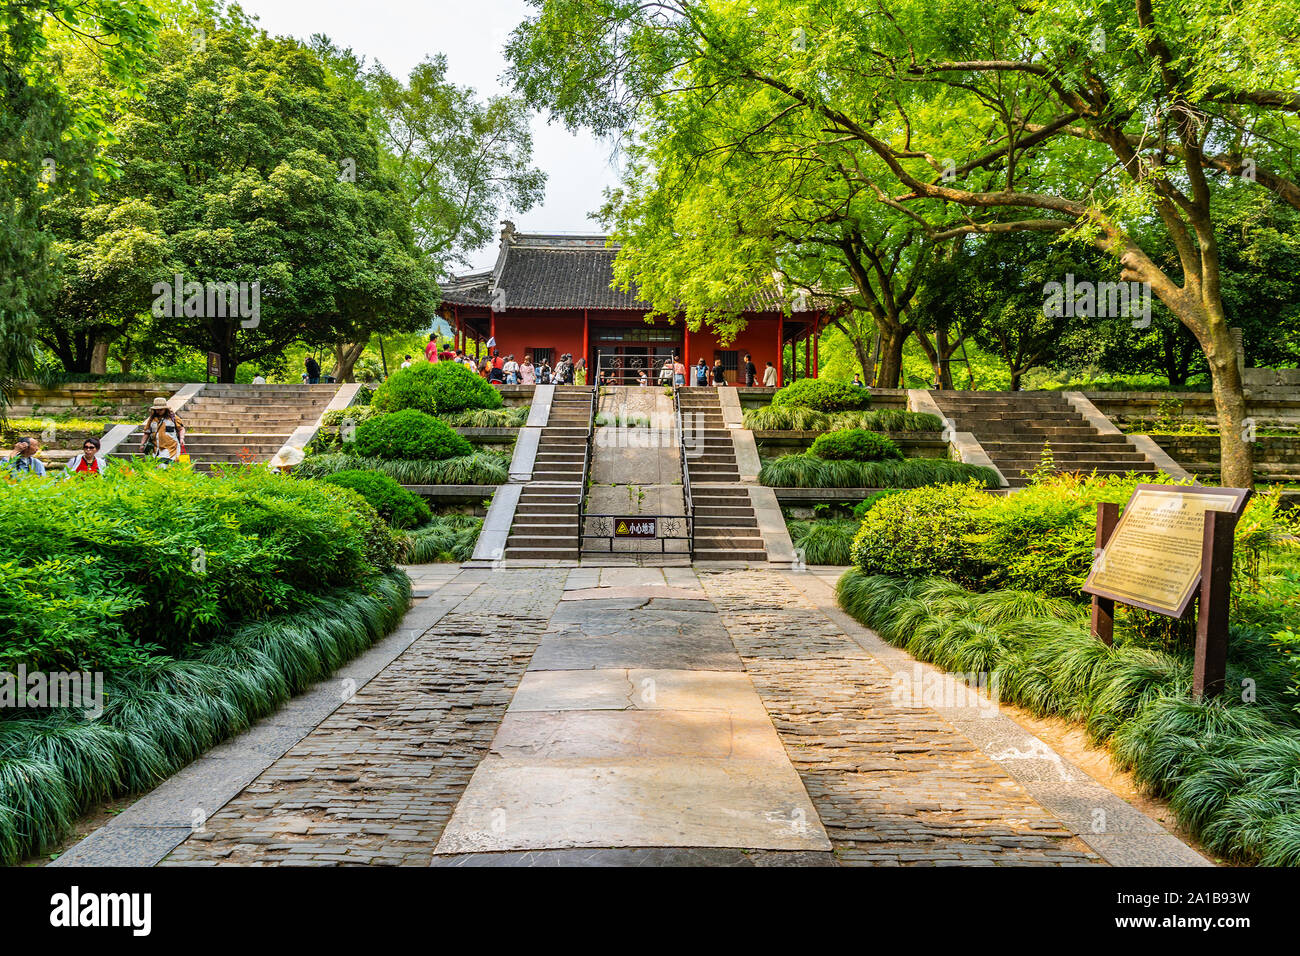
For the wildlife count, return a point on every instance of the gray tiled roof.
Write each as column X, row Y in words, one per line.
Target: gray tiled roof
column 561, row 272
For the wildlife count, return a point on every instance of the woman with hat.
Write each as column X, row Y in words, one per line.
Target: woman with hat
column 163, row 434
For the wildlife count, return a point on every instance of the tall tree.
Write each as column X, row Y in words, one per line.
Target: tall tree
column 1110, row 122
column 49, row 142
column 266, row 177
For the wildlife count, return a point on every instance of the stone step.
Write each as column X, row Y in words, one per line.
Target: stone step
column 731, row 514
column 542, row 554
column 559, row 540
column 727, row 554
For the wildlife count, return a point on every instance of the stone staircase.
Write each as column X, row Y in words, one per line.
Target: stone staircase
column 725, row 526
column 242, row 424
column 545, row 526
column 1012, row 427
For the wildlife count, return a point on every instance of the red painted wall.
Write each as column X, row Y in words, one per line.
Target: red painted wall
column 561, row 331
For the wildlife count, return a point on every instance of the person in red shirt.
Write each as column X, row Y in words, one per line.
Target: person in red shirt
column 497, row 361
column 431, row 350
column 89, row 462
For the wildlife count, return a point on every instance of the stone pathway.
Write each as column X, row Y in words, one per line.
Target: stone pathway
column 629, row 716
column 635, row 726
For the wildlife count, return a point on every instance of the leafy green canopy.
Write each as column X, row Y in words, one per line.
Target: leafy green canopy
column 49, row 142
column 244, row 161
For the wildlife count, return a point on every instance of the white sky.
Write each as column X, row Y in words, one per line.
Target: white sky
column 472, row 33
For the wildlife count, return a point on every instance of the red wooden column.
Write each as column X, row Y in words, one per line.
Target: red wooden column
column 492, row 326
column 807, row 354
column 585, row 329
column 686, row 351
column 816, row 366
column 780, row 350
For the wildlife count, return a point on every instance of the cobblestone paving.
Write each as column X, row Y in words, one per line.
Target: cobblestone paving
column 376, row 782
column 894, row 786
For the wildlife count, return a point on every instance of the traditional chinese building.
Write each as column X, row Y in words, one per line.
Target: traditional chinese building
column 549, row 295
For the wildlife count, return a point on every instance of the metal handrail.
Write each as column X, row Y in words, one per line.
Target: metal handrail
column 687, row 500
column 586, row 462
column 610, row 370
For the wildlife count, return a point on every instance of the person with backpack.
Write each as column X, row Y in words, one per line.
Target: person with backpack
column 162, row 436
column 701, row 373
column 313, row 371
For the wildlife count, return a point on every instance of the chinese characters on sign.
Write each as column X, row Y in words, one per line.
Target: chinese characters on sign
column 636, row 527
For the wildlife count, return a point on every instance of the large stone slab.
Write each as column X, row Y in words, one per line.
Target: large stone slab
column 645, row 592
column 523, row 805
column 728, row 692
column 645, row 648
column 632, row 736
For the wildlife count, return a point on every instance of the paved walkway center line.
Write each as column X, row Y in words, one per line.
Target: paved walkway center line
column 634, row 727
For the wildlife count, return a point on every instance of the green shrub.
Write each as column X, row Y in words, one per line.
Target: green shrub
column 866, row 504
column 102, row 574
column 923, row 532
column 807, row 471
column 410, row 435
column 824, row 541
column 395, row 504
column 480, row 468
column 823, row 395
column 435, row 387
column 854, row 444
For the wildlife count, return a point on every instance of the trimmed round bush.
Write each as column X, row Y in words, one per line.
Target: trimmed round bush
column 922, row 532
column 399, row 507
column 854, row 444
column 823, row 395
column 434, row 387
column 409, row 435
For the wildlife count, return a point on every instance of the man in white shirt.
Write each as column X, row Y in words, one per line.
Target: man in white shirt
column 769, row 376
column 407, row 362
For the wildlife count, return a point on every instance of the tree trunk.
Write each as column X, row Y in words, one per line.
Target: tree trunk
column 1237, row 454
column 99, row 357
column 346, row 355
column 891, row 356
column 1015, row 379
